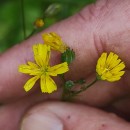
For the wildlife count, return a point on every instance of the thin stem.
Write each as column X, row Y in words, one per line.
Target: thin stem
column 63, row 94
column 71, row 95
column 64, row 90
column 62, row 76
column 23, row 18
column 33, row 31
column 86, row 87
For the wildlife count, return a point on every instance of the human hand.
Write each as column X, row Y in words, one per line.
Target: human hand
column 97, row 28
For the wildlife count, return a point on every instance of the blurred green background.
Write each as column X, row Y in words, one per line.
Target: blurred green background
column 11, row 29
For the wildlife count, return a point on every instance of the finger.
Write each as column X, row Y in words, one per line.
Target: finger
column 66, row 116
column 121, row 107
column 88, row 42
column 11, row 81
column 12, row 113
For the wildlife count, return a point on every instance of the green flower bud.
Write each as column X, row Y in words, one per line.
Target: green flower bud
column 80, row 81
column 68, row 56
column 52, row 9
column 69, row 84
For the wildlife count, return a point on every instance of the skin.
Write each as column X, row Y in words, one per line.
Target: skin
column 100, row 27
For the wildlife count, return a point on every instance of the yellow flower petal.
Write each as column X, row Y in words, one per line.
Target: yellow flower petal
column 54, row 41
column 112, row 60
column 102, row 60
column 52, row 37
column 41, row 54
column 109, row 58
column 115, row 63
column 47, row 84
column 33, row 65
column 113, row 79
column 27, row 69
column 30, row 83
column 118, row 68
column 58, row 69
column 120, row 73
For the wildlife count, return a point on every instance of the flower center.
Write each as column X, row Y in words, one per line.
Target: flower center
column 105, row 70
column 44, row 70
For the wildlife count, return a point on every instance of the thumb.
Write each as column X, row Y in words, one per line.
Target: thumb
column 66, row 116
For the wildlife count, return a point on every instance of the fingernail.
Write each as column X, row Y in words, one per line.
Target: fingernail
column 41, row 121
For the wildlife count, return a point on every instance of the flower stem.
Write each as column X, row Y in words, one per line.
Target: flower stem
column 23, row 18
column 33, row 31
column 70, row 94
column 86, row 87
column 64, row 90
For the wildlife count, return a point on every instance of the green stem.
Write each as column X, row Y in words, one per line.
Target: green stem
column 33, row 31
column 86, row 87
column 63, row 94
column 64, row 90
column 23, row 18
column 62, row 76
column 71, row 95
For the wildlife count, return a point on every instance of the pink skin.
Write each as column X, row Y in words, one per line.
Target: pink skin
column 100, row 27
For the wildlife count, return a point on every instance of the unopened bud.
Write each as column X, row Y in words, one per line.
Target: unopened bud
column 52, row 10
column 39, row 23
column 69, row 84
column 68, row 56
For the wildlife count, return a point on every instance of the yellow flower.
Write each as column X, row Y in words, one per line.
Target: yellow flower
column 54, row 41
column 39, row 23
column 109, row 68
column 42, row 70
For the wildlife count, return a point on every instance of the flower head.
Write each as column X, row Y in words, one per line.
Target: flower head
column 39, row 23
column 42, row 70
column 54, row 41
column 109, row 67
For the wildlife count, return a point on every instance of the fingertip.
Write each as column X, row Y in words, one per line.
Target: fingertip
column 41, row 119
column 67, row 116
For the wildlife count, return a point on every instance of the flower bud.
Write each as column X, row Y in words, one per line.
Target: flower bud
column 68, row 56
column 52, row 10
column 69, row 84
column 80, row 81
column 39, row 23
column 54, row 41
